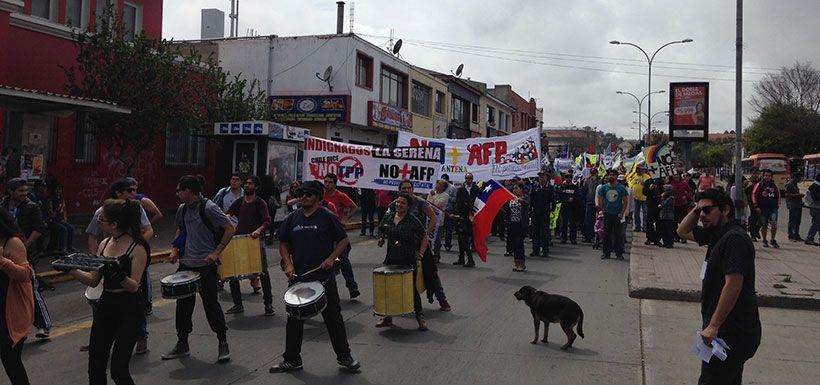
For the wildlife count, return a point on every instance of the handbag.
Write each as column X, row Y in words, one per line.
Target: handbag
column 809, row 201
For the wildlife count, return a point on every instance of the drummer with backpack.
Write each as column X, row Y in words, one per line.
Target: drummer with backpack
column 200, row 220
column 253, row 218
column 311, row 239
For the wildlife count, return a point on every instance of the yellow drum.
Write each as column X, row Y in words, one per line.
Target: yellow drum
column 241, row 259
column 392, row 290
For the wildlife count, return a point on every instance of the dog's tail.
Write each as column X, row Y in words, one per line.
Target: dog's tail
column 580, row 327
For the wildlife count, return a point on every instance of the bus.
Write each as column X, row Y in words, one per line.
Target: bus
column 777, row 163
column 811, row 166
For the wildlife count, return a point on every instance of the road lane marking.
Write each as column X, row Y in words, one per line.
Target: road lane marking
column 83, row 325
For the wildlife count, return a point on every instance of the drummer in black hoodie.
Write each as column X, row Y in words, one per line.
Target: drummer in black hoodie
column 313, row 237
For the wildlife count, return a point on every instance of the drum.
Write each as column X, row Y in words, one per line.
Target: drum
column 392, row 290
column 93, row 293
column 182, row 284
column 241, row 259
column 304, row 300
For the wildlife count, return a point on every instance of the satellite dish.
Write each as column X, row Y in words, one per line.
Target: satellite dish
column 326, row 76
column 459, row 69
column 397, row 47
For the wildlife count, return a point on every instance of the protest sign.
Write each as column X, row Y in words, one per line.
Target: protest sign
column 501, row 157
column 372, row 167
column 659, row 160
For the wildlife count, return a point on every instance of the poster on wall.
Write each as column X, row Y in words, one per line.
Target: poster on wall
column 498, row 158
column 388, row 117
column 32, row 166
column 244, row 157
column 282, row 163
column 689, row 111
column 362, row 166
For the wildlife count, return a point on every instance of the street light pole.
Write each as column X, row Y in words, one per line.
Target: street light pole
column 640, row 102
column 649, row 61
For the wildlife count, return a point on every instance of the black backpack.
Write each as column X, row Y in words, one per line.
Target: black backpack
column 217, row 232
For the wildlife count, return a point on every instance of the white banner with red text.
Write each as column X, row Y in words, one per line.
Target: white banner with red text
column 372, row 167
column 501, row 157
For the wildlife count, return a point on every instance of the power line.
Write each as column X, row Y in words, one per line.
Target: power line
column 486, row 48
column 565, row 66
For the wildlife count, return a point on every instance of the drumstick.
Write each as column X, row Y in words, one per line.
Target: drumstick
column 335, row 261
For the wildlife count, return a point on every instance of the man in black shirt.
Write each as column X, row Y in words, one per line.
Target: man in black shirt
column 541, row 204
column 728, row 300
column 313, row 237
column 465, row 198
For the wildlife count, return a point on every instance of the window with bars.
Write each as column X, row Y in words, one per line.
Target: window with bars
column 85, row 143
column 184, row 149
column 421, row 99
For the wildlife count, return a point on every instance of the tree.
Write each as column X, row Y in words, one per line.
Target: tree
column 797, row 85
column 789, row 129
column 165, row 89
column 711, row 155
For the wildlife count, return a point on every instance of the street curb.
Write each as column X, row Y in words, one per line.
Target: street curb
column 648, row 292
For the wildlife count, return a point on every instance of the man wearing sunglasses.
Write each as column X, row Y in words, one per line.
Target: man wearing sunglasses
column 313, row 237
column 729, row 304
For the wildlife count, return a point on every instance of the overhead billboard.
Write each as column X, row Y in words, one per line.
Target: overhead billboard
column 689, row 111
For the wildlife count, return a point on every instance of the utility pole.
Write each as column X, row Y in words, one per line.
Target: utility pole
column 739, row 109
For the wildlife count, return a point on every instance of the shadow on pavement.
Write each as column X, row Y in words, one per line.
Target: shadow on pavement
column 404, row 332
column 195, row 369
column 542, row 278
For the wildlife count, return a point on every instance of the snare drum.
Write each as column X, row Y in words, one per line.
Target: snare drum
column 93, row 293
column 182, row 284
column 304, row 300
column 241, row 259
column 393, row 290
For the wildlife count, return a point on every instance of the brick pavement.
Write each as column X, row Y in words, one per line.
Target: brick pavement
column 673, row 274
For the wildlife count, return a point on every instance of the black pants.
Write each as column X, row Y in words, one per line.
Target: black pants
column 540, row 233
column 464, row 237
column 589, row 222
column 754, row 224
column 795, row 217
column 449, row 223
column 515, row 239
column 613, row 235
column 569, row 223
column 667, row 231
column 264, row 278
column 653, row 229
column 717, row 372
column 367, row 217
column 12, row 360
column 334, row 322
column 380, row 213
column 117, row 324
column 208, row 293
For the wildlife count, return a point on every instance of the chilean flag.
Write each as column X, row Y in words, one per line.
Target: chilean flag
column 485, row 208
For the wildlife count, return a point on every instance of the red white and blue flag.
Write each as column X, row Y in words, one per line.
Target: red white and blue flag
column 485, row 208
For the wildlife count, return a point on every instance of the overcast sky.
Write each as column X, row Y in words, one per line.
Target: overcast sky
column 558, row 51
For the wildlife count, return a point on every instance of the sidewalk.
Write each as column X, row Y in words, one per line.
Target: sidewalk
column 788, row 277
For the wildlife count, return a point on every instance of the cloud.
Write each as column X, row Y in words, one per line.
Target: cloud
column 580, row 88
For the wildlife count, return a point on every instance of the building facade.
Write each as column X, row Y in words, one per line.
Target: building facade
column 525, row 116
column 430, row 103
column 46, row 129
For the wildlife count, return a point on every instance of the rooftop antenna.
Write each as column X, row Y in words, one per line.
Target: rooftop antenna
column 326, row 77
column 234, row 16
column 459, row 70
column 390, row 42
column 352, row 4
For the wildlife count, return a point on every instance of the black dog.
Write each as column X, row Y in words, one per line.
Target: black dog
column 552, row 308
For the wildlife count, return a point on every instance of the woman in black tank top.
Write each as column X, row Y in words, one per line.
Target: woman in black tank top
column 115, row 328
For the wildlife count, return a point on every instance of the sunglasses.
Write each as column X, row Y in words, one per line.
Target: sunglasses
column 131, row 189
column 707, row 209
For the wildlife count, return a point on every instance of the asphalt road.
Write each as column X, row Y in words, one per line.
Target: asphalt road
column 484, row 340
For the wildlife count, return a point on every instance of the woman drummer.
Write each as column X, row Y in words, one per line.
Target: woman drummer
column 16, row 298
column 116, row 321
column 404, row 233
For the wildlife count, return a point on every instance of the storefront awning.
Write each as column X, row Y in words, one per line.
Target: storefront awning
column 36, row 101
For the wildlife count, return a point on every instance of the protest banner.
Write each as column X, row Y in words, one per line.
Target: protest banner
column 659, row 160
column 501, row 157
column 372, row 167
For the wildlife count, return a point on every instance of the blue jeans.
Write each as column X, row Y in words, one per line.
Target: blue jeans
column 640, row 214
column 65, row 235
column 613, row 235
column 367, row 217
column 815, row 223
column 347, row 270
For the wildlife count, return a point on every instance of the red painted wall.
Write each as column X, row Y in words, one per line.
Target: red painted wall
column 32, row 60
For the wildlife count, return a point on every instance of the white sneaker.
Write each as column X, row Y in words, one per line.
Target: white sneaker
column 43, row 334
